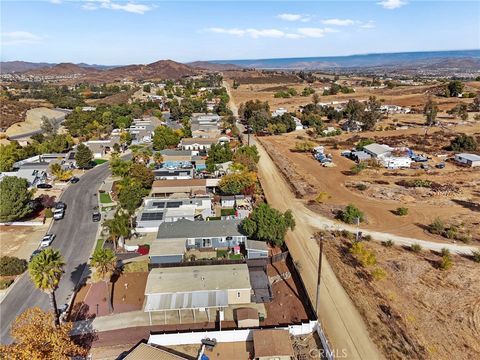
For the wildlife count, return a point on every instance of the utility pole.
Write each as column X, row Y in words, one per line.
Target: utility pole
column 317, row 304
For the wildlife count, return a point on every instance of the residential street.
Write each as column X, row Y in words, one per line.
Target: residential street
column 75, row 238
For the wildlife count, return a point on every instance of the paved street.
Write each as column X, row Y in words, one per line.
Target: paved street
column 75, row 239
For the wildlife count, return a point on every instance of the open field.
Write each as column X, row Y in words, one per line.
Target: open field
column 33, row 121
column 418, row 311
column 383, row 194
column 411, row 96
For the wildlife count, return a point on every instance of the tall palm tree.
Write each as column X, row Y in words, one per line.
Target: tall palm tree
column 104, row 262
column 118, row 226
column 45, row 270
column 146, row 154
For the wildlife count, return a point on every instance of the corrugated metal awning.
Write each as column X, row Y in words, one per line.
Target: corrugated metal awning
column 180, row 301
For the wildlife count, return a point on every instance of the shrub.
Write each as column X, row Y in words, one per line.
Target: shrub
column 401, row 211
column 378, row 274
column 48, row 213
column 357, row 169
column 476, row 255
column 304, row 146
column 10, row 266
column 5, row 283
column 437, row 226
column 445, row 263
column 348, row 235
column 388, row 243
column 367, row 237
column 445, row 252
column 361, row 187
column 416, row 248
column 363, row 255
column 350, row 214
column 322, row 196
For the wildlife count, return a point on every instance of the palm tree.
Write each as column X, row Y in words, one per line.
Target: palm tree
column 118, row 226
column 104, row 262
column 145, row 154
column 45, row 270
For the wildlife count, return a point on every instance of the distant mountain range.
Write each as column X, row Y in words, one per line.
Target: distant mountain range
column 464, row 60
column 462, row 57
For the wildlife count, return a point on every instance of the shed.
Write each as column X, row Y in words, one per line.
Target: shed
column 247, row 318
column 470, row 160
column 272, row 344
column 256, row 249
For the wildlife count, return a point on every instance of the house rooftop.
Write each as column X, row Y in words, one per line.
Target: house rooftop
column 172, row 152
column 185, row 229
column 256, row 245
column 272, row 343
column 148, row 352
column 192, row 141
column 377, row 149
column 197, row 278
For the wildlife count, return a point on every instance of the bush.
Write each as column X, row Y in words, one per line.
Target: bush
column 348, row 234
column 322, row 196
column 378, row 274
column 388, row 243
column 445, row 263
column 445, row 252
column 48, row 213
column 416, row 248
column 476, row 255
column 361, row 187
column 401, row 211
column 357, row 169
column 10, row 266
column 350, row 214
column 304, row 146
column 367, row 237
column 5, row 283
column 365, row 256
column 437, row 227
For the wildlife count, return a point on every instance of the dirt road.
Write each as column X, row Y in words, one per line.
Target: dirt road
column 341, row 321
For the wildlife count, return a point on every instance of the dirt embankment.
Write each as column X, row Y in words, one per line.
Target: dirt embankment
column 296, row 181
column 416, row 311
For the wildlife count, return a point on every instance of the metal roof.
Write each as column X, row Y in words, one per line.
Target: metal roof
column 185, row 229
column 471, row 157
column 256, row 245
column 183, row 279
column 189, row 300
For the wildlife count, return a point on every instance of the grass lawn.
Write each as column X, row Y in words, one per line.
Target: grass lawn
column 99, row 161
column 99, row 244
column 136, row 266
column 224, row 253
column 105, row 198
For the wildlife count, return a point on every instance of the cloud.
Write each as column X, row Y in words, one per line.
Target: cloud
column 339, row 22
column 368, row 25
column 294, row 17
column 392, row 4
column 108, row 4
column 56, row 2
column 274, row 33
column 19, row 37
column 315, row 32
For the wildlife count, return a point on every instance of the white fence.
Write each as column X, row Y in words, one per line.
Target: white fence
column 223, row 336
column 23, row 223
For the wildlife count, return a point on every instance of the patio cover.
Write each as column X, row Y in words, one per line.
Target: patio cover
column 189, row 300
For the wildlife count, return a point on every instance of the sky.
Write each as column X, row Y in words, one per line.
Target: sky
column 116, row 32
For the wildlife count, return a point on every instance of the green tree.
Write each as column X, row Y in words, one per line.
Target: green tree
column 268, row 224
column 48, row 126
column 238, row 183
column 304, row 146
column 218, row 154
column 45, row 270
column 142, row 174
column 104, row 262
column 463, row 142
column 372, row 114
column 354, row 112
column 83, row 156
column 247, row 156
column 130, row 195
column 455, row 88
column 120, row 167
column 430, row 111
column 14, row 199
column 350, row 214
column 164, row 137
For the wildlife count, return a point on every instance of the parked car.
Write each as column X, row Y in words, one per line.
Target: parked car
column 47, row 240
column 35, row 253
column 44, row 186
column 74, row 180
column 60, row 205
column 96, row 216
column 440, row 165
column 58, row 214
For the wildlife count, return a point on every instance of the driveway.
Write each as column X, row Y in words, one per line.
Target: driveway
column 76, row 235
